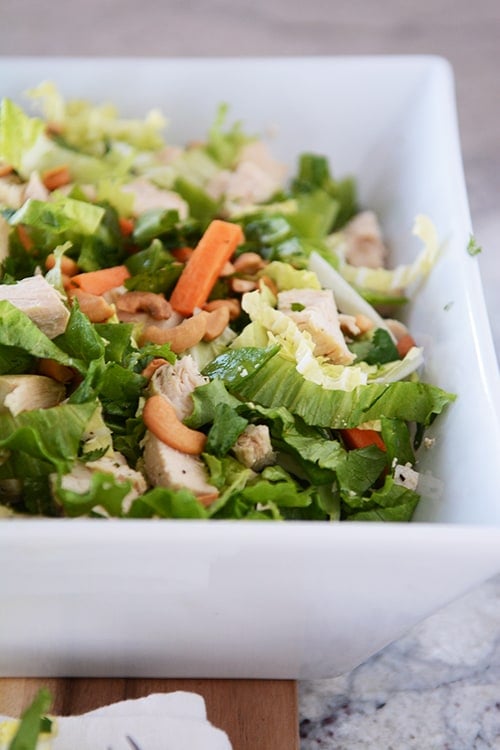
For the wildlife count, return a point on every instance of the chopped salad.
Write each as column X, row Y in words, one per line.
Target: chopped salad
column 189, row 332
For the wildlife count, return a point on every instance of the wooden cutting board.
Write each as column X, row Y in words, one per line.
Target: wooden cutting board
column 256, row 714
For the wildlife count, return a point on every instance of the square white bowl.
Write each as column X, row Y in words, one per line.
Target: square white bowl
column 296, row 599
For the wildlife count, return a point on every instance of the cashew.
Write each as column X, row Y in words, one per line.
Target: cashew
column 248, row 263
column 160, row 418
column 364, row 323
column 227, row 269
column 153, row 366
column 232, row 304
column 189, row 333
column 69, row 267
column 217, row 321
column 243, row 285
column 95, row 307
column 154, row 305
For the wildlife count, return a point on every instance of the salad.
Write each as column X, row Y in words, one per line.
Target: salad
column 189, row 332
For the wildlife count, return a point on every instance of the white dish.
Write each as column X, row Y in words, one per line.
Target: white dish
column 233, row 599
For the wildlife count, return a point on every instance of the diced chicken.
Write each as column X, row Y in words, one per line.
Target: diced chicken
column 36, row 189
column 315, row 311
column 176, row 383
column 169, row 154
column 348, row 324
column 25, row 392
column 40, row 301
column 365, row 246
column 147, row 196
column 256, row 178
column 406, row 476
column 248, row 184
column 80, row 477
column 259, row 154
column 253, row 447
column 11, row 192
column 167, row 467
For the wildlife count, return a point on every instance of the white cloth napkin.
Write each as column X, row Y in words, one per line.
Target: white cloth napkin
column 161, row 721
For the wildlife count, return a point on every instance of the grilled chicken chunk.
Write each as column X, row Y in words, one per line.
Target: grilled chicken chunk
column 315, row 311
column 365, row 246
column 25, row 392
column 176, row 383
column 253, row 447
column 167, row 467
column 40, row 301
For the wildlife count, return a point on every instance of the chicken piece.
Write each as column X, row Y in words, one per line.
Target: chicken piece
column 36, row 189
column 259, row 154
column 11, row 192
column 40, row 301
column 315, row 311
column 147, row 196
column 256, row 178
column 25, row 392
column 80, row 477
column 176, row 383
column 365, row 246
column 253, row 447
column 168, row 467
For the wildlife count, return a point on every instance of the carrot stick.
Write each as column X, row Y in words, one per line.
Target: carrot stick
column 24, row 238
column 56, row 177
column 98, row 282
column 355, row 438
column 126, row 226
column 218, row 243
column 405, row 343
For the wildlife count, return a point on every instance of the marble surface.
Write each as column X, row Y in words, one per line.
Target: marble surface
column 439, row 686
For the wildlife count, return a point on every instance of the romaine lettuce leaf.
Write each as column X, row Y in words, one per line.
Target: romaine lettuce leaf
column 19, row 333
column 403, row 277
column 51, row 436
column 65, row 215
column 277, row 383
column 18, row 134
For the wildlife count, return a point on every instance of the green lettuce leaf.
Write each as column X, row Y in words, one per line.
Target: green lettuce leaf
column 277, row 383
column 59, row 217
column 18, row 134
column 161, row 502
column 389, row 503
column 19, row 333
column 51, row 436
column 226, row 428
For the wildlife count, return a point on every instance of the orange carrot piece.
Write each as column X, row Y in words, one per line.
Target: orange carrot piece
column 405, row 343
column 98, row 282
column 24, row 238
column 355, row 438
column 182, row 254
column 56, row 371
column 126, row 226
column 56, row 177
column 218, row 243
column 5, row 169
